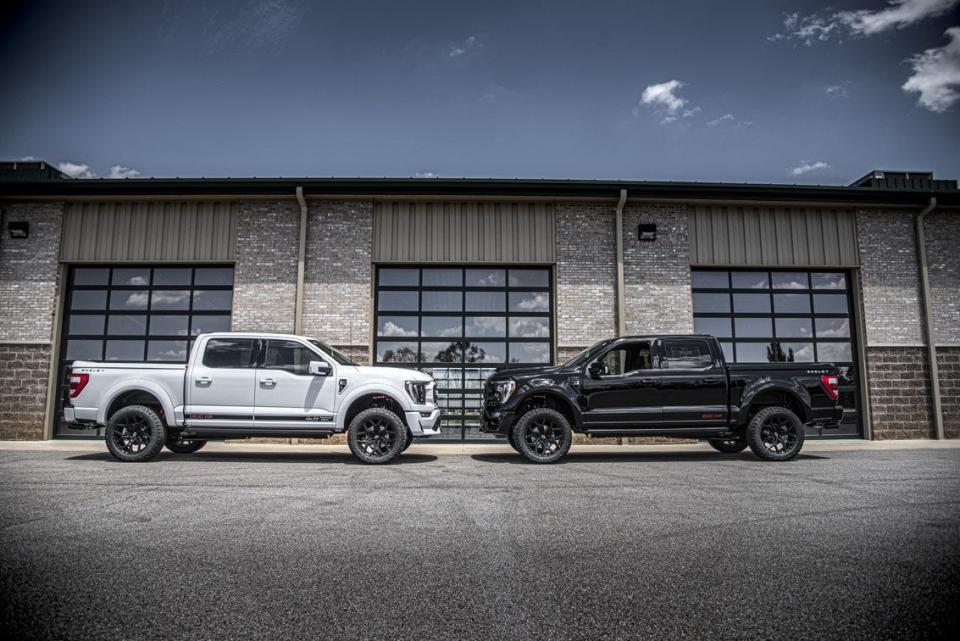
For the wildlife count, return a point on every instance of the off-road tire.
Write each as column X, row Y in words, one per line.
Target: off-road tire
column 376, row 436
column 728, row 445
column 406, row 446
column 135, row 434
column 513, row 443
column 179, row 445
column 775, row 434
column 543, row 435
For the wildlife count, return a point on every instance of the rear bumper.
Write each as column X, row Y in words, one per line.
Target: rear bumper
column 423, row 424
column 80, row 418
column 829, row 420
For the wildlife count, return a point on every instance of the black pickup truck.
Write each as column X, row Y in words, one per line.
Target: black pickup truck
column 677, row 386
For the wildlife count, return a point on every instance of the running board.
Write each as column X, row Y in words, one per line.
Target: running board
column 232, row 432
column 677, row 432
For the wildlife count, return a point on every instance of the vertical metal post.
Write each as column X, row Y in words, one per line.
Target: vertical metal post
column 620, row 287
column 301, row 257
column 928, row 319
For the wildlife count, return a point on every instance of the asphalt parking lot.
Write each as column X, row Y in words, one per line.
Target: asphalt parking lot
column 855, row 544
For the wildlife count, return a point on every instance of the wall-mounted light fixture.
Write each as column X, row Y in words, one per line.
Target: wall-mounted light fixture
column 18, row 229
column 647, row 231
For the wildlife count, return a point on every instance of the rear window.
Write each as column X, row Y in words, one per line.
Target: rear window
column 686, row 354
column 236, row 353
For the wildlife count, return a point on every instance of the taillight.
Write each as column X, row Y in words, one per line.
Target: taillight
column 77, row 383
column 831, row 385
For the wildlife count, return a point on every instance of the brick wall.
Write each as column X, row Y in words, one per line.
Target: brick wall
column 336, row 305
column 942, row 231
column 23, row 393
column 899, row 392
column 586, row 275
column 948, row 360
column 28, row 272
column 657, row 273
column 264, row 295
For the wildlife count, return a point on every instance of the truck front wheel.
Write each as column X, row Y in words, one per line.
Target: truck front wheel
column 377, row 435
column 775, row 434
column 543, row 435
column 134, row 434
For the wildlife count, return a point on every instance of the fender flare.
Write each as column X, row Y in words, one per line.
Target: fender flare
column 364, row 390
column 138, row 385
column 790, row 387
column 554, row 392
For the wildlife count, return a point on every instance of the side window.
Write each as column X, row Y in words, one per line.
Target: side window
column 233, row 353
column 289, row 356
column 686, row 354
column 626, row 358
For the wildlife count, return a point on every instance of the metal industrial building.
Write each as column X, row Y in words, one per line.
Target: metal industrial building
column 460, row 277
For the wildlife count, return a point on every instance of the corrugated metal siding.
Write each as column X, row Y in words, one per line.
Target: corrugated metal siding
column 777, row 237
column 149, row 232
column 469, row 232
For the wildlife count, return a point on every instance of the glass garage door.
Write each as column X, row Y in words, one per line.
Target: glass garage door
column 460, row 325
column 140, row 313
column 782, row 316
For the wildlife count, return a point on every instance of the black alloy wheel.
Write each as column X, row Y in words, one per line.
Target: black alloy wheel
column 377, row 435
column 135, row 433
column 775, row 434
column 543, row 435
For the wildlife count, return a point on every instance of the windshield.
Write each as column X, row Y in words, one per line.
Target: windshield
column 585, row 355
column 340, row 357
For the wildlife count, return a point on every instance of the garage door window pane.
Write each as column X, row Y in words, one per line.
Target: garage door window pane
column 712, row 326
column 794, row 328
column 398, row 301
column 754, row 327
column 441, row 301
column 168, row 325
column 530, row 327
column 121, row 299
column 794, row 352
column 131, row 351
column 480, row 326
column 167, row 276
column 830, row 303
column 84, row 350
column 441, row 326
column 790, row 280
column 711, row 279
column 753, row 352
column 392, row 277
column 127, row 324
column 711, row 303
column 397, row 326
column 91, row 276
column 529, row 278
column 828, row 281
column 222, row 276
column 205, row 300
column 86, row 324
column 442, row 277
column 834, row 352
column 529, row 302
column 208, row 323
column 529, row 353
column 791, row 303
column 486, row 278
column 751, row 303
column 485, row 353
column 486, row 301
column 833, row 328
column 442, row 352
column 175, row 351
column 397, row 352
column 139, row 277
column 170, row 299
column 88, row 299
column 750, row 280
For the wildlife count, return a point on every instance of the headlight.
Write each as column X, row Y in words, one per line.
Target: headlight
column 505, row 389
column 417, row 390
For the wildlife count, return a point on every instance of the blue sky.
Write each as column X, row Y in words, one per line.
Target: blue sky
column 765, row 91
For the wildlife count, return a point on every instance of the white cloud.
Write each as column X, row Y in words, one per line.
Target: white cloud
column 392, row 329
column 462, row 48
column 76, row 170
column 425, row 174
column 936, row 74
column 837, row 91
column 806, row 167
column 665, row 99
column 119, row 171
column 722, row 119
column 824, row 25
column 255, row 24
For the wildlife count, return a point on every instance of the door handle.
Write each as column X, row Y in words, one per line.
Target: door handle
column 204, row 380
column 269, row 382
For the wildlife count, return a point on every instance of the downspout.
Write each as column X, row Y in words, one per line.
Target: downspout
column 928, row 319
column 301, row 256
column 621, row 306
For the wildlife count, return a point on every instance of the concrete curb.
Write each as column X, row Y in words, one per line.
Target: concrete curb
column 467, row 449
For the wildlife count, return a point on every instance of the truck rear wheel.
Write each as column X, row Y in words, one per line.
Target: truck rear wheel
column 135, row 434
column 178, row 444
column 543, row 435
column 728, row 445
column 376, row 435
column 775, row 434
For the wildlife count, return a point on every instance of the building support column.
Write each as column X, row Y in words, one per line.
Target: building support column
column 620, row 287
column 928, row 320
column 301, row 257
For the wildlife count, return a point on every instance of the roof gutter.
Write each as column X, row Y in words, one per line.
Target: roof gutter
column 301, row 258
column 928, row 319
column 621, row 306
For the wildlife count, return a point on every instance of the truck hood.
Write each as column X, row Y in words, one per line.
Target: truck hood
column 395, row 374
column 527, row 372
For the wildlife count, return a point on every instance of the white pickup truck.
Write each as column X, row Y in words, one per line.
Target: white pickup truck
column 247, row 384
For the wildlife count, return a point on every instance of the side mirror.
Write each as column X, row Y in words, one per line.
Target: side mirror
column 320, row 368
column 595, row 370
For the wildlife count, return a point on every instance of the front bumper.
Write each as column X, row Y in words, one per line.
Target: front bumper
column 425, row 424
column 496, row 421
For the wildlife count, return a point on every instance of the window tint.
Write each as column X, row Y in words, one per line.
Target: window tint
column 627, row 358
column 289, row 356
column 228, row 352
column 686, row 354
